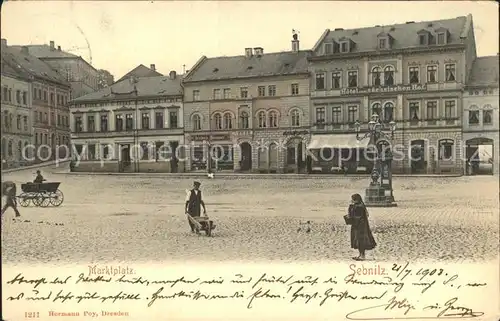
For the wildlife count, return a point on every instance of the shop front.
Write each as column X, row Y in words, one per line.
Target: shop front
column 213, row 152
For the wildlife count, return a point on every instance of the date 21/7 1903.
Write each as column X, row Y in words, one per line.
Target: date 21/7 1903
column 403, row 272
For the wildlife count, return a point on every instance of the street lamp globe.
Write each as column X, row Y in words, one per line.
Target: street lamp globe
column 378, row 127
column 371, row 125
column 392, row 126
column 375, row 117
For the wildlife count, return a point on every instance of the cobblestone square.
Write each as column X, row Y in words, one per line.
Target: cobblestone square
column 124, row 219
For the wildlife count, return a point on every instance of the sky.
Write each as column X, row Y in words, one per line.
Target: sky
column 123, row 34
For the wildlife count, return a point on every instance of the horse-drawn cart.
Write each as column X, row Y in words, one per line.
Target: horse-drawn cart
column 41, row 194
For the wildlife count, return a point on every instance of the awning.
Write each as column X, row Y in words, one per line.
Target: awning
column 337, row 141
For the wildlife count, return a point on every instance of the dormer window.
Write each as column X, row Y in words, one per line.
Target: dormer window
column 384, row 40
column 344, row 46
column 382, row 43
column 423, row 37
column 328, row 48
column 442, row 36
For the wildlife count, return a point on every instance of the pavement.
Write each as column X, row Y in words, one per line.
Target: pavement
column 135, row 218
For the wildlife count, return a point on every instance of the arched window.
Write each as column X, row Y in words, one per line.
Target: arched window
column 446, row 149
column 244, row 120
column 228, row 121
column 6, row 119
column 10, row 120
column 376, row 109
column 273, row 119
column 218, row 121
column 388, row 112
column 19, row 148
column 9, row 148
column 376, row 73
column 295, row 118
column 262, row 119
column 196, row 122
column 4, row 148
column 389, row 76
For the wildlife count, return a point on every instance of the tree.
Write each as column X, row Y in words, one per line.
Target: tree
column 105, row 78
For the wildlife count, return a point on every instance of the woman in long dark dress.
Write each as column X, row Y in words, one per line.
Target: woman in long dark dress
column 361, row 235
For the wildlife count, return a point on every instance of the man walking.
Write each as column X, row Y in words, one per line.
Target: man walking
column 194, row 202
column 9, row 190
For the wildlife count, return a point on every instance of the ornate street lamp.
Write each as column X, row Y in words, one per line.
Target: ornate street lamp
column 379, row 193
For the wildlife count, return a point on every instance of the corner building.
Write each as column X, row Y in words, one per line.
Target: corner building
column 251, row 111
column 412, row 73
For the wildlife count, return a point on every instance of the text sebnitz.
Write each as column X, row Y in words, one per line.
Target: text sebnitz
column 363, row 269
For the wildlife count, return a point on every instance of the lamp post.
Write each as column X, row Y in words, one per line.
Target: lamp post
column 379, row 193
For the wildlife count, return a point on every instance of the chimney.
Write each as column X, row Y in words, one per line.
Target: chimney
column 52, row 45
column 295, row 43
column 25, row 50
column 258, row 51
column 4, row 42
column 152, row 67
column 58, row 48
column 248, row 52
column 172, row 75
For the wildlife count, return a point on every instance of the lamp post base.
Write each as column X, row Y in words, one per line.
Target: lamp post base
column 376, row 196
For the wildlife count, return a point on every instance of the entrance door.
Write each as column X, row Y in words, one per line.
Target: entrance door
column 246, row 156
column 125, row 156
column 417, row 160
column 174, row 162
column 479, row 155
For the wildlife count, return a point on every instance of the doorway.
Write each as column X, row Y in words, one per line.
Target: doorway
column 174, row 161
column 479, row 155
column 418, row 163
column 246, row 156
column 125, row 160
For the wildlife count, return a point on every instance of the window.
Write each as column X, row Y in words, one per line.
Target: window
column 389, row 76
column 328, row 48
column 173, row 123
column 261, row 91
column 352, row 114
column 45, row 118
column 119, row 123
column 450, row 72
column 244, row 92
column 78, row 124
column 273, row 119
column 52, row 98
column 376, row 72
column 487, row 117
column 90, row 123
column 129, row 122
column 261, row 119
column 295, row 89
column 432, row 110
column 159, row 122
column 414, row 111
column 414, row 75
column 320, row 81
column 336, row 115
column 320, row 117
column 441, row 39
column 25, row 122
column 295, row 118
column 218, row 121
column 445, row 149
column 449, row 109
column 227, row 93
column 344, row 46
column 45, row 95
column 336, row 76
column 5, row 93
column 18, row 122
column 52, row 118
column 352, row 79
column 388, row 112
column 196, row 95
column 104, row 123
column 145, row 120
column 58, row 120
column 431, row 74
column 39, row 94
column 377, row 109
column 18, row 97
column 382, row 43
column 217, row 94
column 196, row 122
column 473, row 117
column 244, row 120
column 271, row 90
column 422, row 39
column 228, row 121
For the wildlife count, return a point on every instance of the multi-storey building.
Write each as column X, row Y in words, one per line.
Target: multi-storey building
column 251, row 111
column 480, row 101
column 412, row 73
column 133, row 125
column 16, row 113
column 76, row 70
column 49, row 95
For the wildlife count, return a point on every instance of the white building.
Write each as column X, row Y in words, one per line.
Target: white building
column 135, row 125
column 480, row 127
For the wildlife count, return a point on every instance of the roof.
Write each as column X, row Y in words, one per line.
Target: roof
column 270, row 64
column 484, row 71
column 404, row 35
column 146, row 87
column 140, row 71
column 31, row 65
column 8, row 69
column 45, row 51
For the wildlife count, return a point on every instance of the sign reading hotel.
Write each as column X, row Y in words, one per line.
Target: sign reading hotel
column 386, row 89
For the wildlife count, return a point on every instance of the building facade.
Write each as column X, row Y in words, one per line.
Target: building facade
column 135, row 125
column 412, row 73
column 480, row 101
column 250, row 112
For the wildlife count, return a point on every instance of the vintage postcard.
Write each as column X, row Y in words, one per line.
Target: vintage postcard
column 249, row 160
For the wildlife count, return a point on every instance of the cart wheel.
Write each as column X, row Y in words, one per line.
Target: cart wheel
column 37, row 198
column 208, row 229
column 24, row 200
column 56, row 198
column 45, row 200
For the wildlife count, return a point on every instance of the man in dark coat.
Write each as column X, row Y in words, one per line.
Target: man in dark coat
column 39, row 178
column 9, row 190
column 194, row 202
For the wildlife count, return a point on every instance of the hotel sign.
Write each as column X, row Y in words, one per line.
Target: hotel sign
column 386, row 89
column 295, row 132
column 209, row 137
